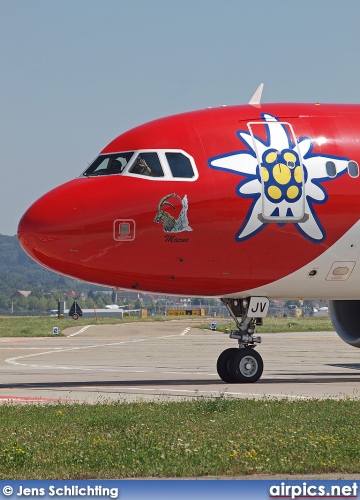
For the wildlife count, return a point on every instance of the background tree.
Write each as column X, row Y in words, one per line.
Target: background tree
column 5, row 302
column 151, row 307
column 51, row 304
column 37, row 291
column 90, row 303
column 42, row 303
column 100, row 303
column 21, row 304
column 138, row 304
column 33, row 303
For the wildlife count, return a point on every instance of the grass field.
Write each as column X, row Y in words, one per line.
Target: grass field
column 36, row 326
column 274, row 325
column 188, row 439
column 42, row 326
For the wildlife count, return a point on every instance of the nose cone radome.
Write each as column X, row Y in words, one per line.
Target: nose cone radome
column 51, row 231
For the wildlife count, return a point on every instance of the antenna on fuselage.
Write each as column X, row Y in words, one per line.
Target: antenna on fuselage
column 256, row 98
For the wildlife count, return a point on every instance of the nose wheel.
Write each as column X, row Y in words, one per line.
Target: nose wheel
column 244, row 365
column 222, row 366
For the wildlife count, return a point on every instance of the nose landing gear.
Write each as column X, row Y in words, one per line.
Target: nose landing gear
column 243, row 364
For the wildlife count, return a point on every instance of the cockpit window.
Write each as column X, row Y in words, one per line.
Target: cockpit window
column 109, row 164
column 159, row 164
column 180, row 165
column 147, row 164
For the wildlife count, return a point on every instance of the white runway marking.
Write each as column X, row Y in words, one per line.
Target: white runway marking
column 187, row 330
column 80, row 331
column 14, row 360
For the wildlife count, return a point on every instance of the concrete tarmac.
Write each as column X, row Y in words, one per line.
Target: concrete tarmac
column 169, row 360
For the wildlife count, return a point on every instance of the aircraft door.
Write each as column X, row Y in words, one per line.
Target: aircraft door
column 281, row 172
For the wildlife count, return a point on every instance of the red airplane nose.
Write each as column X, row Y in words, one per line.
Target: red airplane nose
column 51, row 231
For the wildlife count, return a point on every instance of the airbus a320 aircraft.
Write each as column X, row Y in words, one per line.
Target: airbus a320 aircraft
column 246, row 203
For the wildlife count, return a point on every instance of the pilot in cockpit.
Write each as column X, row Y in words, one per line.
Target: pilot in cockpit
column 115, row 167
column 141, row 167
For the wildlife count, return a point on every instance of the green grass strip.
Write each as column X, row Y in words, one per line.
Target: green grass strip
column 220, row 437
column 277, row 325
column 42, row 326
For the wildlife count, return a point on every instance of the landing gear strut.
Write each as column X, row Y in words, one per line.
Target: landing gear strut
column 243, row 364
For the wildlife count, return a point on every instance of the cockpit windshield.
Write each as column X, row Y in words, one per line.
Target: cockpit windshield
column 109, row 164
column 153, row 165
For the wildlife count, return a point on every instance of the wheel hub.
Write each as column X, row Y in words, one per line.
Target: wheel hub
column 248, row 366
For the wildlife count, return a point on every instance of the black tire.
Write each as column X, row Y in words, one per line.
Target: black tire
column 222, row 365
column 246, row 365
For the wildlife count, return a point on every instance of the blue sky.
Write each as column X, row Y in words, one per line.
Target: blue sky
column 77, row 73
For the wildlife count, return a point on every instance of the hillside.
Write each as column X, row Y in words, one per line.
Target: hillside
column 19, row 272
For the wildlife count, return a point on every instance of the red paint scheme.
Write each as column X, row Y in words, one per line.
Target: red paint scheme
column 70, row 229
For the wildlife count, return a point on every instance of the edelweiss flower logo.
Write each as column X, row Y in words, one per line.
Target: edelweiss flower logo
column 282, row 176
